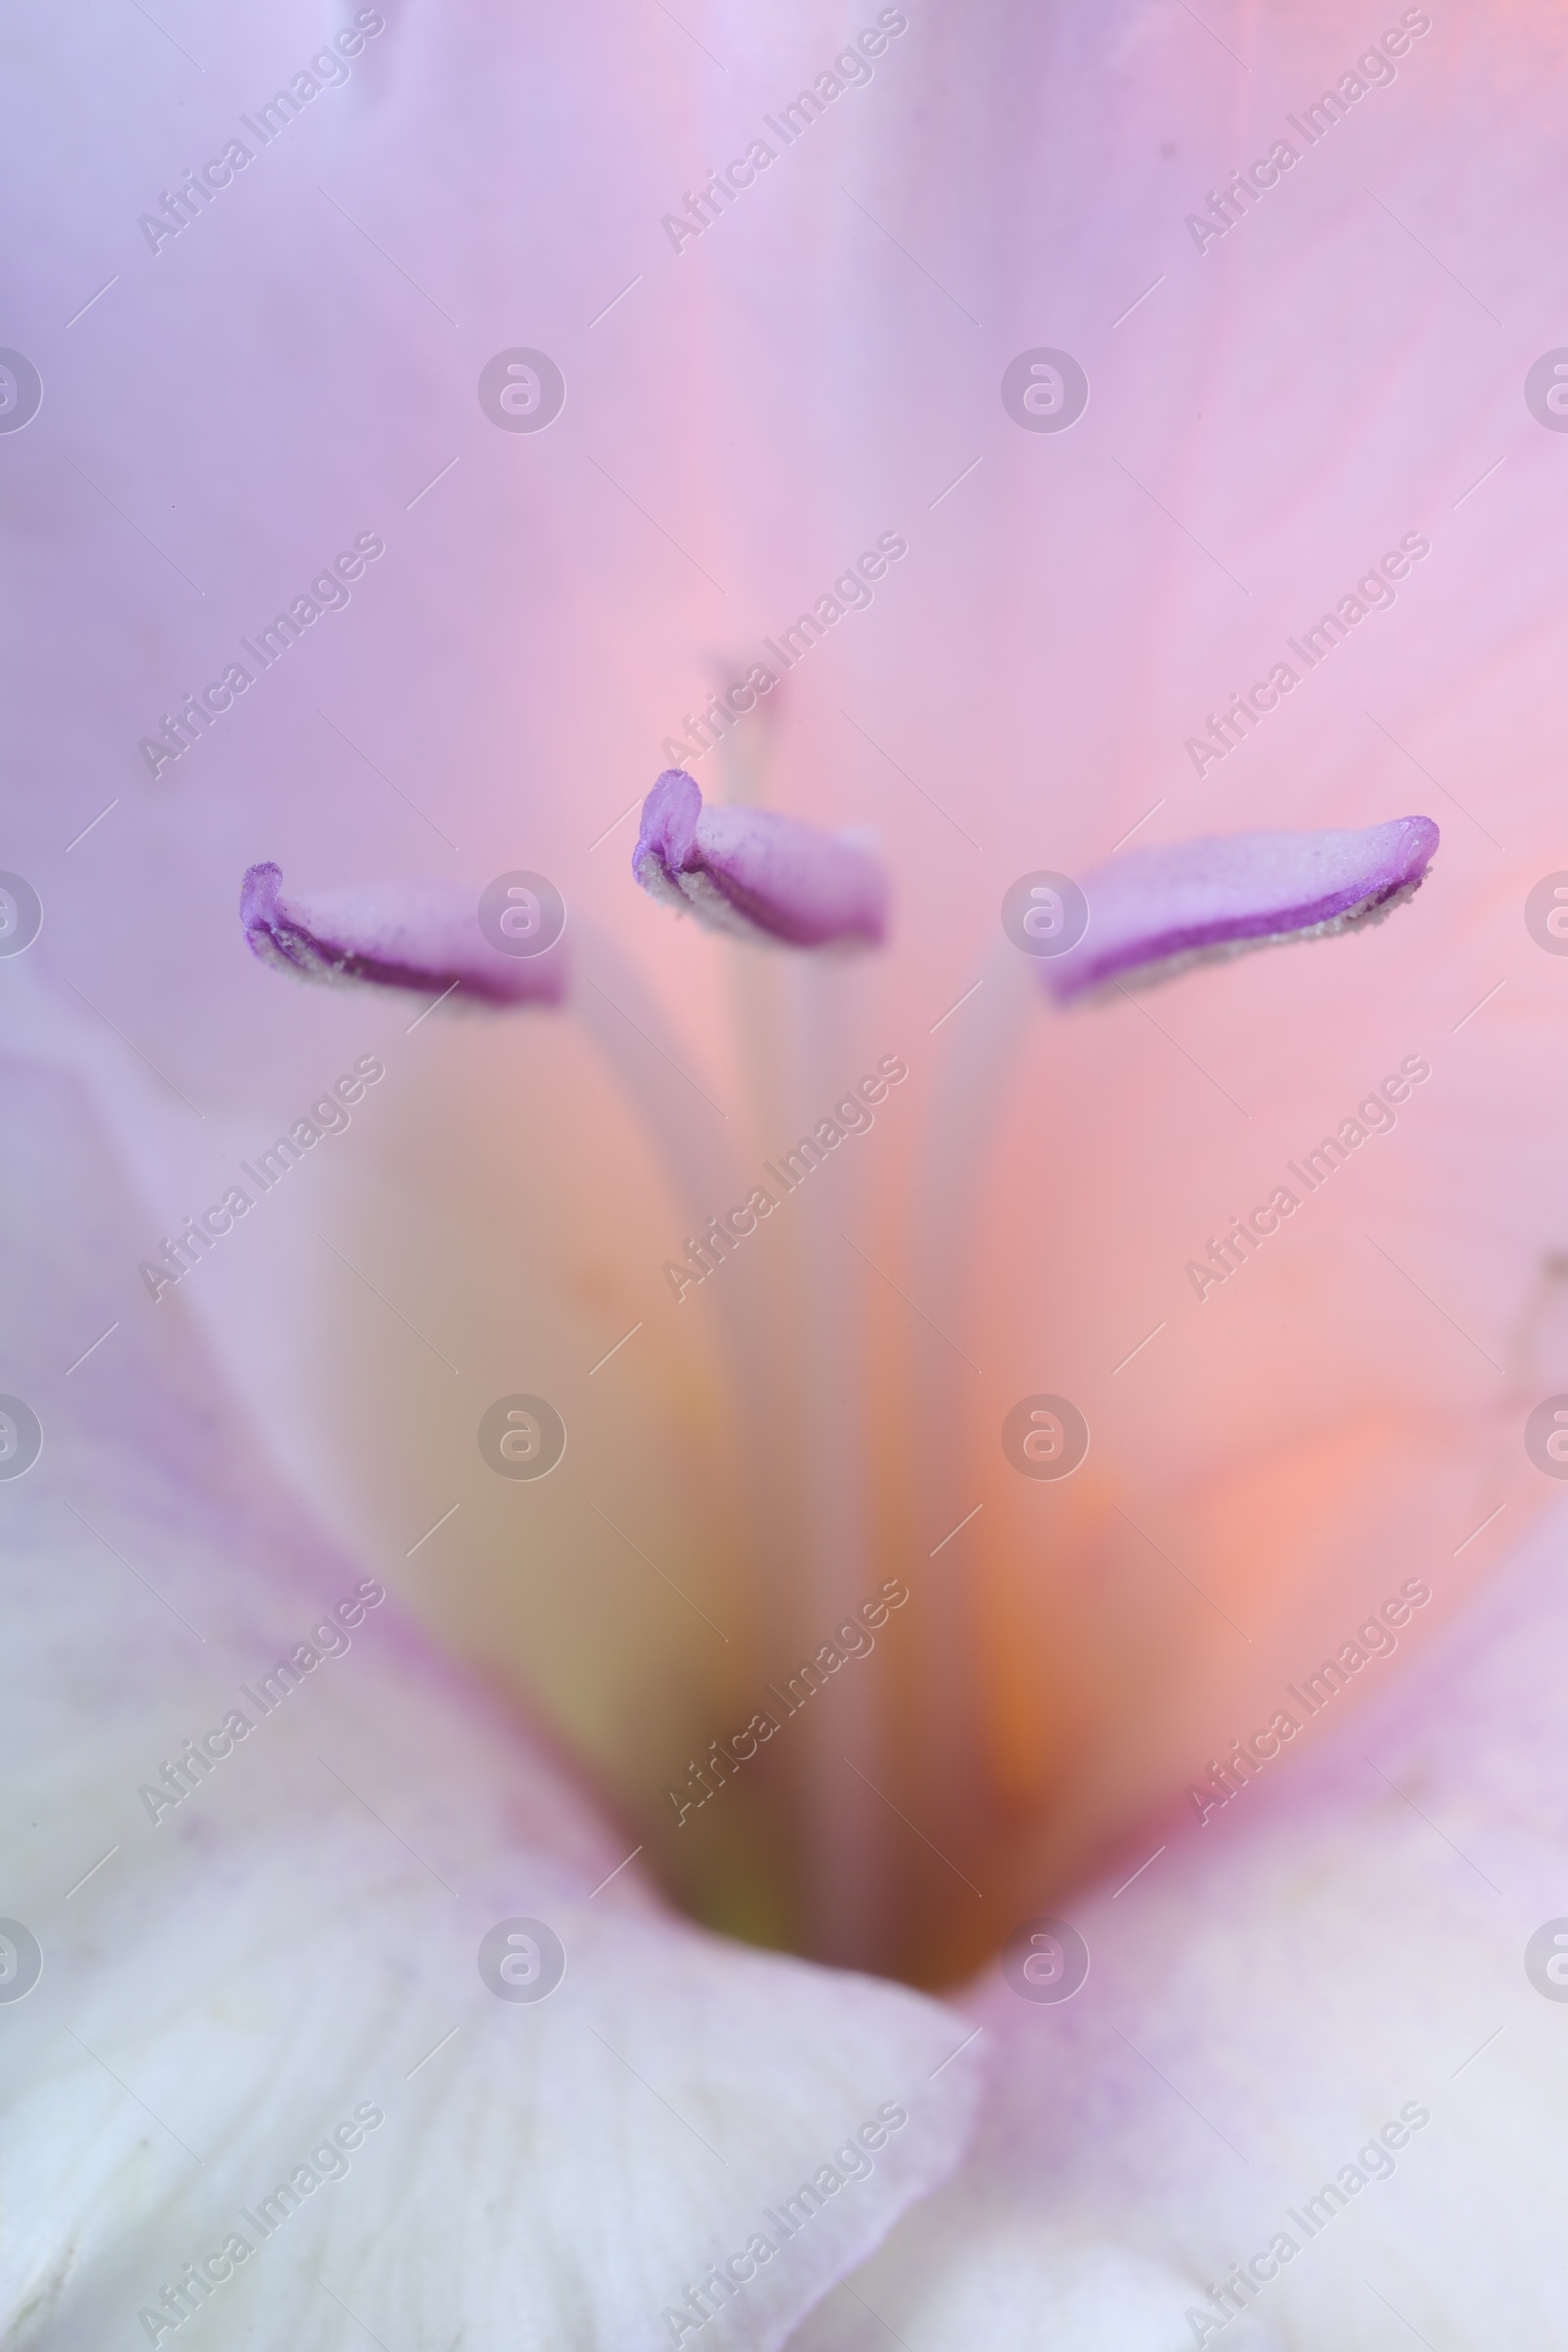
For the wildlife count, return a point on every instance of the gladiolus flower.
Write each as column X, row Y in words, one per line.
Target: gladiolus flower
column 891, row 1739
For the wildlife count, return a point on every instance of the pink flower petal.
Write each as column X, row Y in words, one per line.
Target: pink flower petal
column 1200, row 900
column 423, row 936
column 1338, row 1940
column 756, row 874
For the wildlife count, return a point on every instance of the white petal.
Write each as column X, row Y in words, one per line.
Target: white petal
column 961, row 2272
column 295, row 1938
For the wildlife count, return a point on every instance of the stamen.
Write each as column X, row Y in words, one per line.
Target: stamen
column 1156, row 912
column 755, row 874
column 425, row 936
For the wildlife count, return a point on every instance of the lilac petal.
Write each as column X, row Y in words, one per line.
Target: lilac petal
column 1155, row 912
column 756, row 874
column 423, row 936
